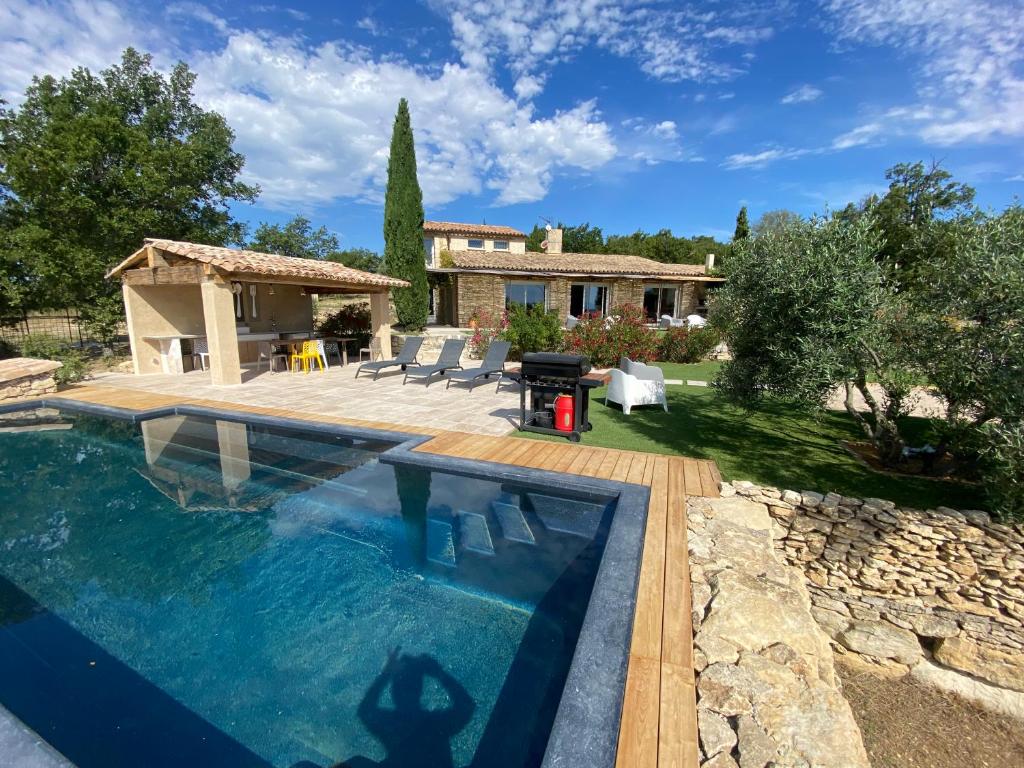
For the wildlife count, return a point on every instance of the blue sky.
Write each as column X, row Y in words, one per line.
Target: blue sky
column 629, row 115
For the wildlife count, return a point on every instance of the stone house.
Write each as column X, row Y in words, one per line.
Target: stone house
column 479, row 267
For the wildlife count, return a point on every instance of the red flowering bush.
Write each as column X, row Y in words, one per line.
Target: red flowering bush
column 687, row 345
column 623, row 333
column 487, row 328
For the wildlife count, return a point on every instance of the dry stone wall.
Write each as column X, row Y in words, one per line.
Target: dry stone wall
column 905, row 586
column 767, row 689
column 22, row 377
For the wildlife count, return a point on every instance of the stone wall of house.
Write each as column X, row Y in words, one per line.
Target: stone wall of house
column 22, row 377
column 768, row 693
column 908, row 587
column 486, row 292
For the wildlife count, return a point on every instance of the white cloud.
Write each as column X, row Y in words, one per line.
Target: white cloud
column 972, row 54
column 761, row 159
column 668, row 42
column 802, row 94
column 652, row 143
column 862, row 134
column 315, row 122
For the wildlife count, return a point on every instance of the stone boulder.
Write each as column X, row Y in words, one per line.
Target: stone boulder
column 881, row 640
column 990, row 664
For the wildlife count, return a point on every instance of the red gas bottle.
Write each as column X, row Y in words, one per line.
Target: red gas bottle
column 565, row 413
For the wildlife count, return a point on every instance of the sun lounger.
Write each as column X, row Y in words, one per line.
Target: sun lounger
column 448, row 360
column 493, row 364
column 405, row 358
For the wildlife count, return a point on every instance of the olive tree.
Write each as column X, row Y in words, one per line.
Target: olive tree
column 968, row 336
column 807, row 310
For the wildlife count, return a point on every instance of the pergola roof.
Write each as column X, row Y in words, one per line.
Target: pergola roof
column 242, row 263
column 581, row 264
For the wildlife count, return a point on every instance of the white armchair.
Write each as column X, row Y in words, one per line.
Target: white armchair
column 636, row 384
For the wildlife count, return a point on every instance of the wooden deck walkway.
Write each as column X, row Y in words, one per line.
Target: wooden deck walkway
column 659, row 714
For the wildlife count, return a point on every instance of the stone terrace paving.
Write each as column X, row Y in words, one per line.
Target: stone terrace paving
column 337, row 392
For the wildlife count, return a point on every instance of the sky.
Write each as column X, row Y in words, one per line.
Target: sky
column 627, row 115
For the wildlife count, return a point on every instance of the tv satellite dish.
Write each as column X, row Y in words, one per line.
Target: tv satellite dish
column 548, row 227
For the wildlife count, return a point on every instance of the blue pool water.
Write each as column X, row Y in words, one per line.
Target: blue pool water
column 194, row 592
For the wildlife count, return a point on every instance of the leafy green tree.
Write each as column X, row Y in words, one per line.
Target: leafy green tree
column 968, row 335
column 910, row 215
column 582, row 238
column 774, row 221
column 533, row 240
column 742, row 231
column 296, row 238
column 403, row 225
column 90, row 165
column 358, row 258
column 807, row 310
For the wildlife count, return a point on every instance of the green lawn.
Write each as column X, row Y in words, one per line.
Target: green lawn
column 779, row 445
column 705, row 371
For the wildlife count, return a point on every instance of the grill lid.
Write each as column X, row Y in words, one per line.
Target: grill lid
column 555, row 365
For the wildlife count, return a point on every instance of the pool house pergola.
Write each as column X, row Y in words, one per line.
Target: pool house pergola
column 177, row 292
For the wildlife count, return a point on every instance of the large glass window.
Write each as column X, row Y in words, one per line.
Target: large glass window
column 659, row 300
column 501, row 245
column 476, row 244
column 588, row 299
column 428, row 249
column 527, row 294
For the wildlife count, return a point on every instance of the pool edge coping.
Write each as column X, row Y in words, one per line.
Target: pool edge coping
column 585, row 731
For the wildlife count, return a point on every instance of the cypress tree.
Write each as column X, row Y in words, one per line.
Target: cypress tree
column 403, row 225
column 742, row 226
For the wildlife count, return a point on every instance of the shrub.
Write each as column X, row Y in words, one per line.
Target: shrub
column 50, row 348
column 1003, row 462
column 488, row 328
column 687, row 345
column 7, row 350
column 623, row 333
column 532, row 330
column 351, row 320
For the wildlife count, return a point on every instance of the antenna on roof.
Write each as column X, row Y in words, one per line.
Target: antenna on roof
column 547, row 222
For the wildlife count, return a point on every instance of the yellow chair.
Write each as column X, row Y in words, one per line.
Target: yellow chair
column 310, row 352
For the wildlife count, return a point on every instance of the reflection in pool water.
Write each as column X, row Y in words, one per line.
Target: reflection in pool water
column 191, row 591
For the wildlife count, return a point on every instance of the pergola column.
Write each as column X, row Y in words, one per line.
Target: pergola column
column 380, row 321
column 221, row 334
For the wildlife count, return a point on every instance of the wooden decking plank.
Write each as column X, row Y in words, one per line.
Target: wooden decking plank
column 648, row 615
column 692, row 475
column 622, row 466
column 583, row 455
column 593, row 465
column 676, row 627
column 636, row 469
column 708, row 487
column 604, row 471
column 641, row 705
column 677, row 721
column 571, row 454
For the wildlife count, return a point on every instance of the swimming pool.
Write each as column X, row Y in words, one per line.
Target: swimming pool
column 196, row 589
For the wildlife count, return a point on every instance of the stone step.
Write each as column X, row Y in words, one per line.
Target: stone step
column 513, row 525
column 474, row 533
column 440, row 543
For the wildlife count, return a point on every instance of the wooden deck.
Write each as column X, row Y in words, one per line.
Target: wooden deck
column 659, row 715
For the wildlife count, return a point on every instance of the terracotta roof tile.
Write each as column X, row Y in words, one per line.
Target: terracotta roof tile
column 470, row 229
column 573, row 264
column 242, row 262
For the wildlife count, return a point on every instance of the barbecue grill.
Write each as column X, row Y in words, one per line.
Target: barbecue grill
column 548, row 375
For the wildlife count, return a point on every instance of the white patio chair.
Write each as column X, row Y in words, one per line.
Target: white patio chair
column 267, row 353
column 201, row 352
column 636, row 384
column 321, row 349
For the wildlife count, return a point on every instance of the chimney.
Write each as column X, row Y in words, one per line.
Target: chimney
column 709, row 262
column 553, row 241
